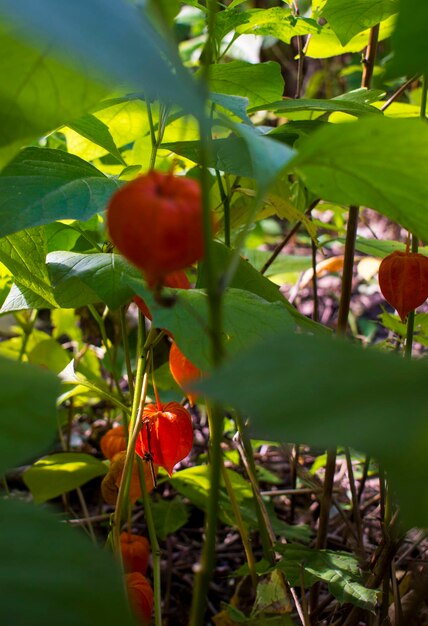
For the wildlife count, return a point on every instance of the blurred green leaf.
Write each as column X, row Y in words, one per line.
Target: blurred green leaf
column 59, row 473
column 115, row 39
column 50, row 573
column 38, row 92
column 28, row 416
column 409, row 39
column 49, row 355
column 329, row 392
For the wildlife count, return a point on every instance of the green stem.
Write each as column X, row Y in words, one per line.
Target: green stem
column 241, row 527
column 226, row 209
column 411, row 316
column 156, row 560
column 121, row 501
column 28, row 329
column 112, row 365
column 206, row 565
column 126, row 351
column 246, row 452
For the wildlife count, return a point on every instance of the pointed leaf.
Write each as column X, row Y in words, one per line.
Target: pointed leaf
column 41, row 185
column 350, row 17
column 375, row 162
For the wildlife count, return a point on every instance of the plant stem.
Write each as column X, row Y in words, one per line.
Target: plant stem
column 226, row 209
column 27, row 329
column 351, row 232
column 315, row 315
column 112, row 365
column 241, row 527
column 369, row 60
column 286, row 239
column 206, row 565
column 127, row 468
column 355, row 504
column 301, row 55
column 399, row 91
column 156, row 561
column 411, row 316
column 243, row 442
column 126, row 351
column 325, row 504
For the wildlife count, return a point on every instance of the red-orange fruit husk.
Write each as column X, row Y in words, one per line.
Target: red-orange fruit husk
column 403, row 281
column 113, row 441
column 140, row 594
column 166, row 435
column 176, row 280
column 135, row 552
column 111, row 482
column 183, row 371
column 156, row 222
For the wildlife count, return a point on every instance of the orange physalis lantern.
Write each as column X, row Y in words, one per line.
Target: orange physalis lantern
column 403, row 281
column 135, row 552
column 183, row 370
column 113, row 441
column 156, row 222
column 140, row 596
column 166, row 436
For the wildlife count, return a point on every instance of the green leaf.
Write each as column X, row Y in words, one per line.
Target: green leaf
column 101, row 272
column 409, row 39
column 28, row 415
column 24, row 255
column 326, row 43
column 282, row 107
column 50, row 573
column 328, row 392
column 278, row 22
column 50, row 95
column 235, row 104
column 49, row 355
column 70, row 293
column 59, row 473
column 251, row 155
column 260, row 82
column 339, row 570
column 247, row 318
column 115, row 39
column 337, row 163
column 194, row 483
column 96, row 131
column 248, row 278
column 350, row 17
column 42, row 185
column 169, row 516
